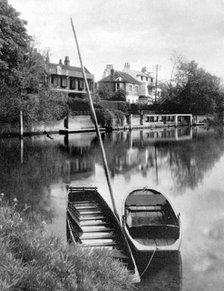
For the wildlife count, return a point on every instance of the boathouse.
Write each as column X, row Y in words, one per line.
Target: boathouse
column 159, row 120
column 167, row 119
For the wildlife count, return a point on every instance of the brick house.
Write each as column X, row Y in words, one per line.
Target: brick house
column 120, row 80
column 68, row 79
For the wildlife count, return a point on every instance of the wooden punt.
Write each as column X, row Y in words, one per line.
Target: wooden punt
column 90, row 222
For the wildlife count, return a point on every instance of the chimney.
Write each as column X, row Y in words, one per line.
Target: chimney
column 66, row 61
column 112, row 73
column 144, row 70
column 60, row 62
column 127, row 66
column 47, row 58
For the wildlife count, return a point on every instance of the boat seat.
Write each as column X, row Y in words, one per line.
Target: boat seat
column 136, row 208
column 155, row 231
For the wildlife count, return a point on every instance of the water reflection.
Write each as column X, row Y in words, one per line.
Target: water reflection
column 164, row 273
column 187, row 160
column 188, row 170
column 30, row 166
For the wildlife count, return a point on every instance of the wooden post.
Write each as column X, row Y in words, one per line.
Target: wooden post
column 130, row 121
column 176, row 120
column 21, row 150
column 21, row 123
column 156, row 83
column 191, row 120
column 66, row 121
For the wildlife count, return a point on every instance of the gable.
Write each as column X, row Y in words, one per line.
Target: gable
column 119, row 79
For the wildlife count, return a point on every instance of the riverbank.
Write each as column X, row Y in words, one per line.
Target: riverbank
column 33, row 259
column 77, row 122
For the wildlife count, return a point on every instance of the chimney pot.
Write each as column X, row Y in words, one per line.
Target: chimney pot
column 112, row 73
column 67, row 61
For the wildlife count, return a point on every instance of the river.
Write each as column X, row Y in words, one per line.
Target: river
column 187, row 165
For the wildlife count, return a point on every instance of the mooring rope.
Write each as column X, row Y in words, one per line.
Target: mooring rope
column 149, row 262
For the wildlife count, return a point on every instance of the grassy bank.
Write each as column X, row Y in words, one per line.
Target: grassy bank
column 33, row 259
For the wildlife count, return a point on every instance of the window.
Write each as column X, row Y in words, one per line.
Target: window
column 141, row 78
column 80, row 85
column 72, row 83
column 136, row 89
column 63, row 82
column 130, row 87
column 54, row 81
column 147, row 79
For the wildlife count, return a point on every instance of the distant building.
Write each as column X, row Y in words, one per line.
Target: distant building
column 146, row 83
column 139, row 85
column 116, row 80
column 107, row 71
column 68, row 79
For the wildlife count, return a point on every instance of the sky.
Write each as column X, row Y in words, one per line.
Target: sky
column 141, row 32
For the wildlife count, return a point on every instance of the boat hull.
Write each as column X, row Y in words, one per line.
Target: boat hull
column 151, row 226
column 91, row 223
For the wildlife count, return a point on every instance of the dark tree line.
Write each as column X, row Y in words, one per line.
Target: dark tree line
column 192, row 90
column 23, row 73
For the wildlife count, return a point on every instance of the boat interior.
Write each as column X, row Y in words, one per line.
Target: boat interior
column 150, row 219
column 91, row 223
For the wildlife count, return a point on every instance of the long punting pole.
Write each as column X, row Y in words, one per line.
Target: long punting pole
column 96, row 124
column 137, row 276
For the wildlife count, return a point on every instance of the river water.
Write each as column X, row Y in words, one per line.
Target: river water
column 187, row 165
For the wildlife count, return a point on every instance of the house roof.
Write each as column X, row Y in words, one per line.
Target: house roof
column 119, row 76
column 68, row 71
column 134, row 73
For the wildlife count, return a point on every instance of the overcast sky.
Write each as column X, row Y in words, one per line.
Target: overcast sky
column 141, row 32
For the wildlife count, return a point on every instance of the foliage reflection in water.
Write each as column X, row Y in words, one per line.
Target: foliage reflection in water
column 164, row 273
column 184, row 164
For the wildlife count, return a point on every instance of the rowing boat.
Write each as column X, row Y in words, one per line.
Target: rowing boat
column 151, row 225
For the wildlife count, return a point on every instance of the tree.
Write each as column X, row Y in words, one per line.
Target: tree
column 119, row 95
column 13, row 42
column 32, row 73
column 104, row 92
column 48, row 106
column 192, row 90
column 9, row 105
column 104, row 117
column 23, row 74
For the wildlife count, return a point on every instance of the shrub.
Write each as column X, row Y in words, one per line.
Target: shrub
column 77, row 104
column 119, row 95
column 104, row 117
column 33, row 259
